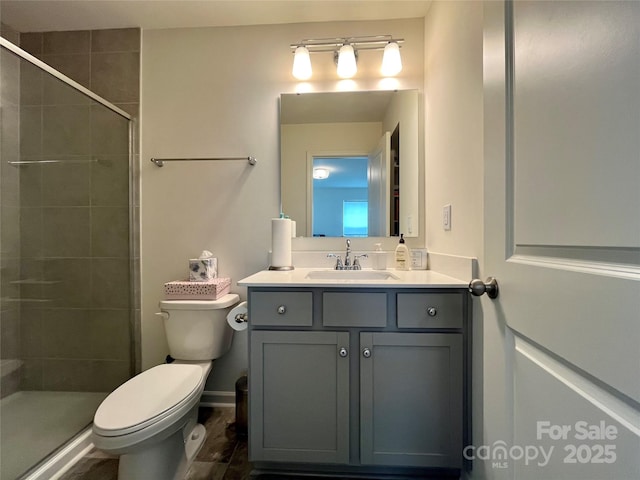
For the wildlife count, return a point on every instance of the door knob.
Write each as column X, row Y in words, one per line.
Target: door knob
column 477, row 287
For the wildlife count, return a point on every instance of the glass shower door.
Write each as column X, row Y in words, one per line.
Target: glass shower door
column 66, row 309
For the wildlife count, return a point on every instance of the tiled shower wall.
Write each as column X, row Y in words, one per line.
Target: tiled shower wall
column 78, row 311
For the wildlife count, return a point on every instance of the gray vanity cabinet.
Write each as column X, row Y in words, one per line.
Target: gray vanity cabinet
column 411, row 399
column 363, row 381
column 299, row 397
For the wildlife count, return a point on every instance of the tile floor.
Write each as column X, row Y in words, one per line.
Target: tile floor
column 222, row 457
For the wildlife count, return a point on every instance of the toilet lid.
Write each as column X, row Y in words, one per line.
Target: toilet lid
column 146, row 397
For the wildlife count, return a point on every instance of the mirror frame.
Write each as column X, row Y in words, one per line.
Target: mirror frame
column 367, row 243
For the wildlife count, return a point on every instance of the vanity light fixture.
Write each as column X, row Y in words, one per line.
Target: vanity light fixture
column 320, row 173
column 302, row 64
column 347, row 67
column 391, row 61
column 345, row 54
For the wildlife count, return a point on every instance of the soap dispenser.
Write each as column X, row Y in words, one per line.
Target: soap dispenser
column 403, row 258
column 379, row 258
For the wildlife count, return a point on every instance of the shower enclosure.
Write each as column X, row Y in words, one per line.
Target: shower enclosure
column 67, row 309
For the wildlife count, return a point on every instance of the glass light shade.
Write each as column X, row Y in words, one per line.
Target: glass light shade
column 302, row 64
column 320, row 173
column 391, row 61
column 347, row 62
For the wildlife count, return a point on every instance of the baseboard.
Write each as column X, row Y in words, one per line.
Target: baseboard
column 61, row 461
column 212, row 398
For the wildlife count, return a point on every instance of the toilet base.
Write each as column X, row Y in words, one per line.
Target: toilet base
column 167, row 460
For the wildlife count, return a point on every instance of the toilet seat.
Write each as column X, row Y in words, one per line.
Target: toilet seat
column 147, row 398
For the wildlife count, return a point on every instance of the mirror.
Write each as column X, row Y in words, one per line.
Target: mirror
column 350, row 163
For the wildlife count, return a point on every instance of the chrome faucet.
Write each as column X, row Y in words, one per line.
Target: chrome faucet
column 347, row 260
column 347, row 265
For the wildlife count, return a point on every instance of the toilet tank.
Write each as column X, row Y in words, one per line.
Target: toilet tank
column 198, row 329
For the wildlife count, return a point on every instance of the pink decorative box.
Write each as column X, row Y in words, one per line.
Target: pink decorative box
column 186, row 290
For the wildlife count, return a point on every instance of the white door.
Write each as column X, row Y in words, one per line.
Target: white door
column 379, row 200
column 562, row 237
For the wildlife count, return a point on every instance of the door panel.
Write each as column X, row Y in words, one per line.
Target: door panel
column 562, row 230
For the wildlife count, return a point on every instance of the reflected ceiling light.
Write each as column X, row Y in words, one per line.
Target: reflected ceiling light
column 320, row 173
column 345, row 53
column 391, row 61
column 302, row 64
column 347, row 67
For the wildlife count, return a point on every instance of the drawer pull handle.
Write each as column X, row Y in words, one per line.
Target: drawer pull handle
column 366, row 353
column 282, row 309
column 343, row 352
column 432, row 311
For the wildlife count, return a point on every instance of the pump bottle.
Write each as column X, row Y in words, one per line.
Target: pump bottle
column 403, row 257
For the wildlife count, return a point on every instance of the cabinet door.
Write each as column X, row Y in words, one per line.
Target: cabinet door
column 411, row 399
column 299, row 403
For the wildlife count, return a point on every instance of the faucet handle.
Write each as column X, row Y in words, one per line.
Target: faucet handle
column 356, row 262
column 338, row 260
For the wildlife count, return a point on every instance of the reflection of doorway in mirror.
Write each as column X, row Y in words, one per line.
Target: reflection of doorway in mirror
column 394, row 184
column 337, row 180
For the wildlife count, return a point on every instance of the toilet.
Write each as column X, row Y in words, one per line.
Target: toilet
column 151, row 420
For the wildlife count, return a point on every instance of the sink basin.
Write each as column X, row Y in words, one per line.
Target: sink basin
column 351, row 275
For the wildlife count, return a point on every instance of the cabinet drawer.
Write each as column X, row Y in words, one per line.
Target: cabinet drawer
column 281, row 308
column 352, row 309
column 430, row 310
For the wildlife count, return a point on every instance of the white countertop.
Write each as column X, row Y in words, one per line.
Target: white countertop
column 403, row 279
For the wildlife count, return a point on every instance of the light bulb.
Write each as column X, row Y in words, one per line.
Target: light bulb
column 391, row 61
column 347, row 62
column 301, row 64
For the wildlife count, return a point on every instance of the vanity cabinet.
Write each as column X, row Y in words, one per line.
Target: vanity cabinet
column 299, row 397
column 374, row 380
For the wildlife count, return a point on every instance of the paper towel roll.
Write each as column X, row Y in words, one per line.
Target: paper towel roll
column 237, row 317
column 280, row 243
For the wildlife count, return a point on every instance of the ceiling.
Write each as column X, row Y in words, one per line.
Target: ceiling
column 52, row 15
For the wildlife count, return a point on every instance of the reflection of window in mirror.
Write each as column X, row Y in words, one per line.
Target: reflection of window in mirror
column 355, row 219
column 338, row 180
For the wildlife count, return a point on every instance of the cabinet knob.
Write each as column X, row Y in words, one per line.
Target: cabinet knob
column 343, row 352
column 282, row 309
column 366, row 353
column 432, row 311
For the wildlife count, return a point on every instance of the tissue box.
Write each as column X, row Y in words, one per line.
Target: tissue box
column 203, row 269
column 186, row 290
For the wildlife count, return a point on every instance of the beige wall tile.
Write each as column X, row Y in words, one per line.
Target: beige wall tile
column 66, row 184
column 66, row 232
column 110, row 283
column 116, row 76
column 109, row 132
column 110, row 232
column 76, row 66
column 110, row 181
column 116, row 40
column 77, row 41
column 66, row 130
column 73, row 282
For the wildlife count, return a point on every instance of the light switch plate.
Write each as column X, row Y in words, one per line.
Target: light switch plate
column 446, row 217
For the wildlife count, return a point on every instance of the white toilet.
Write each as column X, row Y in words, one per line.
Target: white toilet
column 151, row 420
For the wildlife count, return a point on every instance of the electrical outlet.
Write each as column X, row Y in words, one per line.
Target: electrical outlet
column 419, row 258
column 446, row 217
